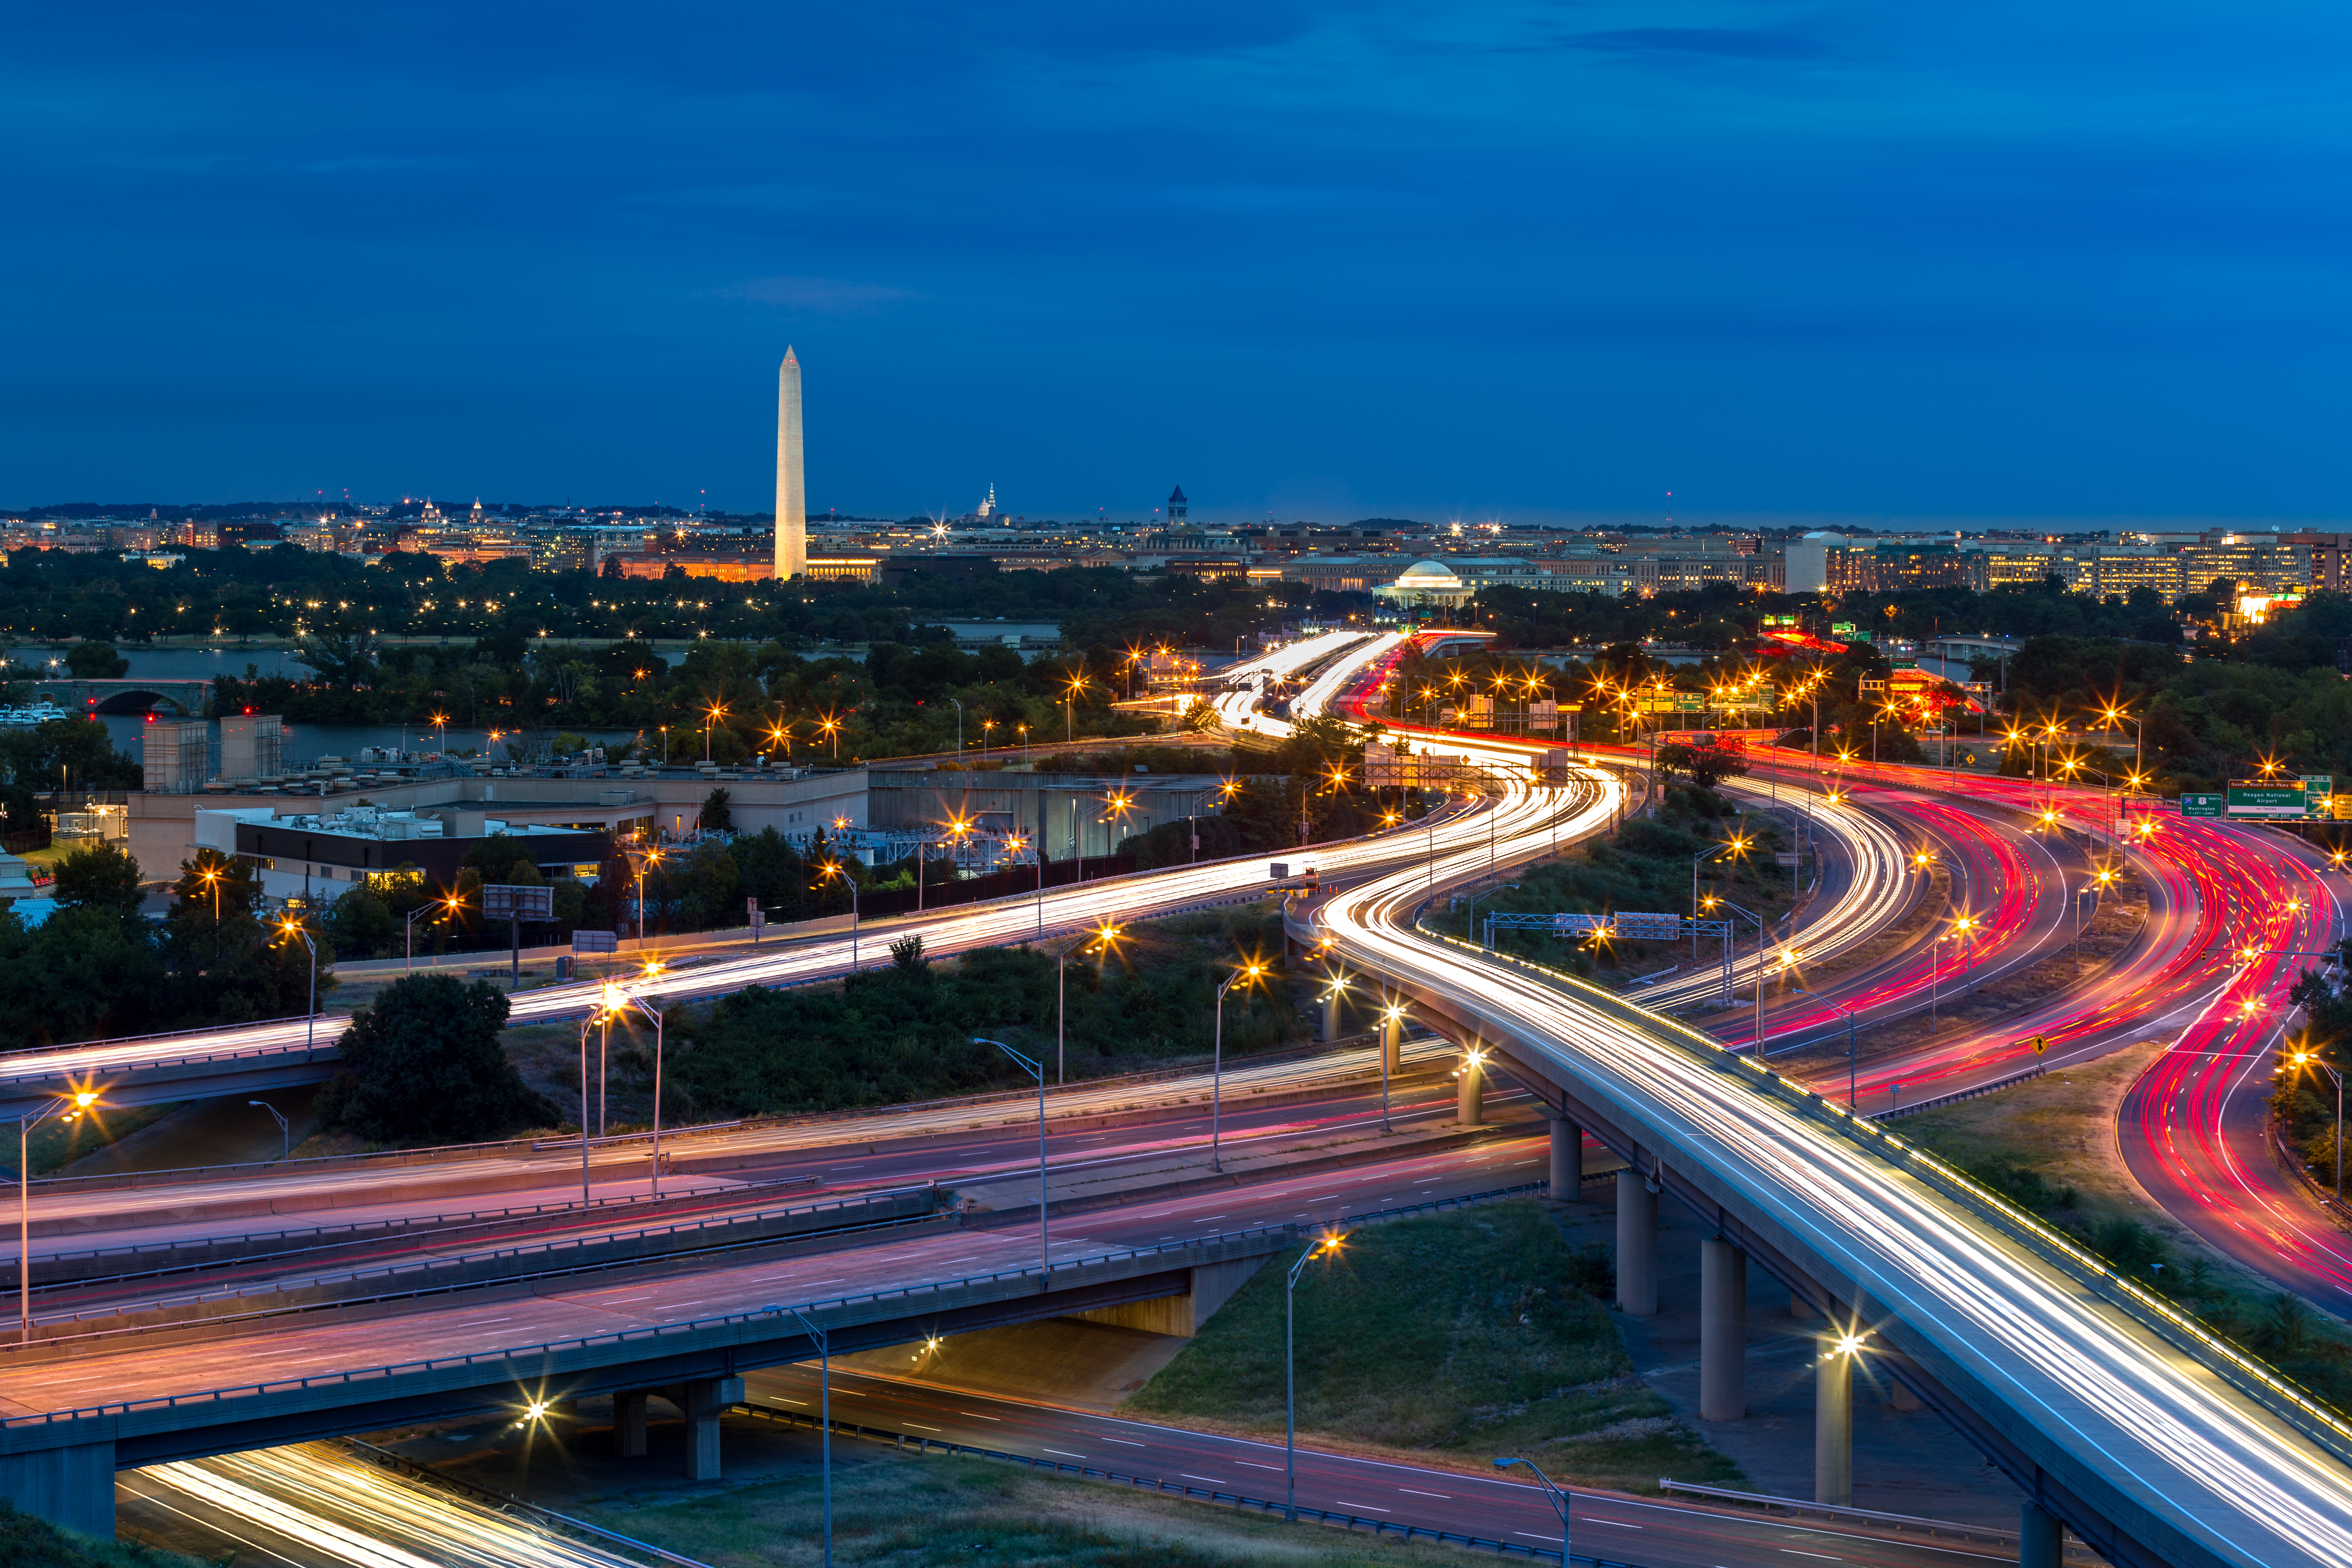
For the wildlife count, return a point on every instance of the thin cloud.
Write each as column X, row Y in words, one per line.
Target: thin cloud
column 1724, row 43
column 832, row 295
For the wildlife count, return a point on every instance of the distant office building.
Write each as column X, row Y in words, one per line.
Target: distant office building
column 318, row 857
column 2258, row 564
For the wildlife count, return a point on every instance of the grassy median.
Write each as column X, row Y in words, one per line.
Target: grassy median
column 2049, row 1146
column 901, row 1509
column 1447, row 1340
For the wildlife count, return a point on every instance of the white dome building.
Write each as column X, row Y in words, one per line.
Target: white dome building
column 1427, row 583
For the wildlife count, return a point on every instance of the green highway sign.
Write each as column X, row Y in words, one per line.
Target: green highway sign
column 2202, row 806
column 2249, row 798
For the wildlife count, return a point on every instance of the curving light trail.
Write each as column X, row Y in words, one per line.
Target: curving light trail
column 2182, row 1446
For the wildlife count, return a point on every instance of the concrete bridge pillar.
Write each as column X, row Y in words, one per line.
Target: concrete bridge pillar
column 1566, row 1162
column 73, row 1487
column 1393, row 1043
column 1470, row 1096
column 1833, row 1426
column 629, row 1424
column 702, row 1399
column 1331, row 1015
column 1637, row 1245
column 1722, row 1330
column 2041, row 1539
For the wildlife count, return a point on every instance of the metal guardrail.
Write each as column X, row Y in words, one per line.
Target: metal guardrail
column 1897, row 1113
column 1898, row 1521
column 652, row 1335
column 477, row 1259
column 681, row 1228
column 520, row 1146
column 2264, row 1384
column 350, row 1232
column 661, row 1332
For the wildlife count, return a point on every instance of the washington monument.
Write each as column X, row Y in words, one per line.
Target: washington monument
column 791, row 480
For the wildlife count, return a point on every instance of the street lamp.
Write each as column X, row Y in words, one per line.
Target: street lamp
column 1248, row 974
column 1560, row 1499
column 616, row 1000
column 1070, row 690
column 1710, row 901
column 1393, row 1016
column 448, row 906
column 825, row 1414
column 640, row 860
column 1105, row 935
column 2307, row 1058
column 1035, row 1069
column 1326, row 1247
column 607, row 1004
column 1850, row 1100
column 826, row 873
column 710, row 717
column 291, row 926
column 284, row 1128
column 81, row 1100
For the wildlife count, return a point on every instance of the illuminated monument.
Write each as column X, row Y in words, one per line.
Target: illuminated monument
column 791, row 481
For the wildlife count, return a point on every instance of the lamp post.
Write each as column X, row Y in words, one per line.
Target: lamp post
column 2306, row 1059
column 1105, row 934
column 639, row 859
column 1711, row 901
column 284, row 1128
column 824, row 1415
column 1394, row 1017
column 616, row 999
column 1560, row 1499
column 1325, row 1247
column 210, row 876
column 448, row 906
column 1249, row 973
column 291, row 926
column 710, row 717
column 958, row 708
column 80, row 1101
column 831, row 870
column 1035, row 1069
column 1850, row 1099
column 602, row 1014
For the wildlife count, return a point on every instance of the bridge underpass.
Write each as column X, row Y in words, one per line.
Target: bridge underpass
column 60, row 1462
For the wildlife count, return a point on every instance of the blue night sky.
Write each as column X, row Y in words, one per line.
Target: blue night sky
column 1483, row 260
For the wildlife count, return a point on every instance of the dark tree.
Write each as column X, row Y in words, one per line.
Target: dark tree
column 717, row 816
column 98, row 877
column 1705, row 767
column 96, row 661
column 422, row 1064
